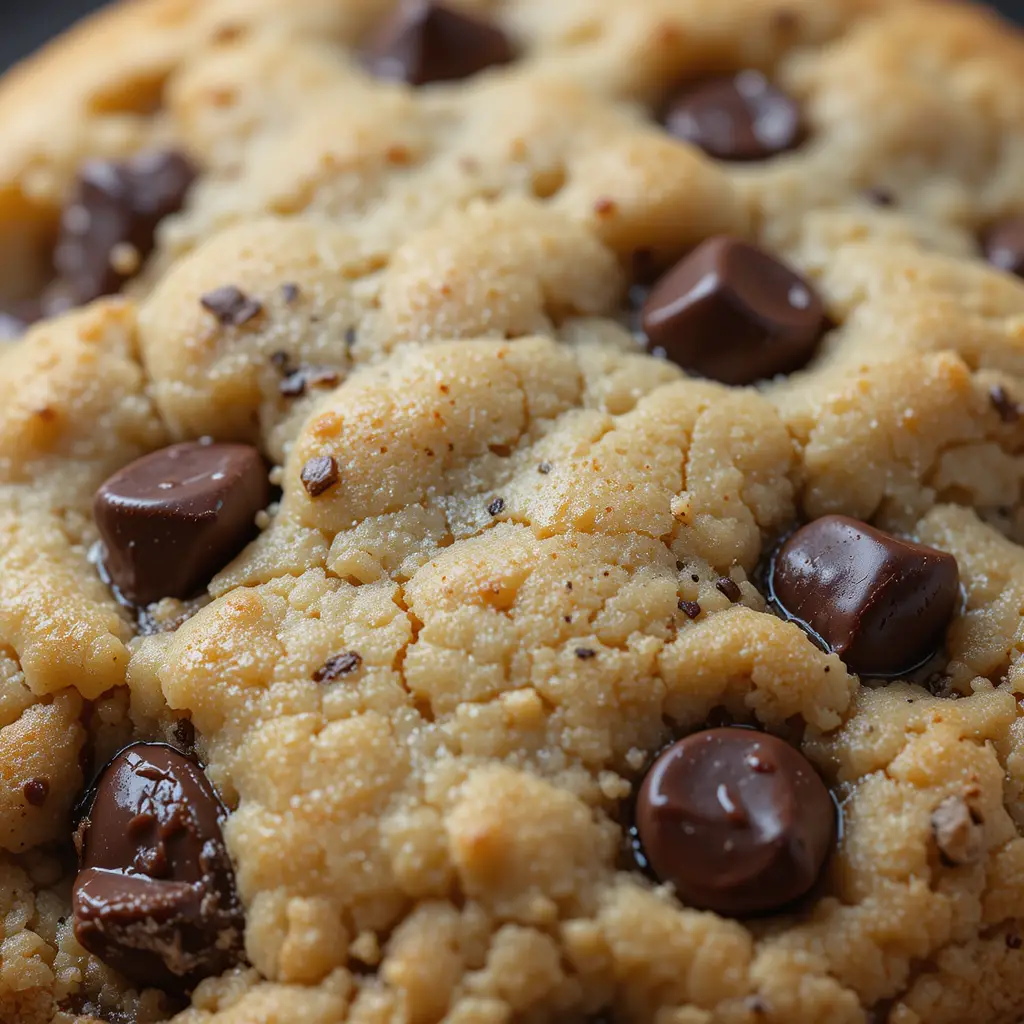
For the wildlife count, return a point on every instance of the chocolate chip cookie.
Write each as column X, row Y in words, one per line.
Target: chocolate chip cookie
column 511, row 511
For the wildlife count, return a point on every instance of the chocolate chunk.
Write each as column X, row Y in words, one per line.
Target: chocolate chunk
column 425, row 42
column 958, row 832
column 730, row 588
column 173, row 518
column 1008, row 409
column 36, row 791
column 1003, row 245
column 731, row 835
column 231, row 306
column 881, row 603
column 691, row 609
column 736, row 117
column 155, row 894
column 337, row 666
column 731, row 312
column 496, row 507
column 108, row 225
column 319, row 475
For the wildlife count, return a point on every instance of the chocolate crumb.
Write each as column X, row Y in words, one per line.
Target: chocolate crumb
column 585, row 653
column 337, row 666
column 299, row 381
column 730, row 588
column 231, row 306
column 691, row 609
column 350, row 336
column 282, row 362
column 185, row 735
column 319, row 475
column 496, row 507
column 1008, row 409
column 1014, row 941
column 289, row 291
column 36, row 791
column 879, row 196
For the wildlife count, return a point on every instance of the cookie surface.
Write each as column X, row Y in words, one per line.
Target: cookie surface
column 484, row 441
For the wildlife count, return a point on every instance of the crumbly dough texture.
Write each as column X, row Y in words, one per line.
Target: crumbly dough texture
column 436, row 836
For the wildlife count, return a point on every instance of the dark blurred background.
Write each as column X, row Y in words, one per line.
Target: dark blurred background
column 24, row 26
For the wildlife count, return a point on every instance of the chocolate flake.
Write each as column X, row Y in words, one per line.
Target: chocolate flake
column 1008, row 409
column 337, row 666
column 300, row 380
column 730, row 588
column 585, row 653
column 319, row 475
column 691, row 609
column 231, row 306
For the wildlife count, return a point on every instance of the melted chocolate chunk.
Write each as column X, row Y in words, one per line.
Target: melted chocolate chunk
column 731, row 312
column 108, row 225
column 1003, row 244
column 425, row 42
column 881, row 603
column 737, row 821
column 155, row 894
column 737, row 117
column 172, row 519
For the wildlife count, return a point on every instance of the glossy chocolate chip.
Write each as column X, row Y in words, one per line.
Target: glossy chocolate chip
column 1004, row 245
column 737, row 117
column 155, row 895
column 731, row 312
column 108, row 225
column 880, row 602
column 427, row 42
column 172, row 519
column 738, row 821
